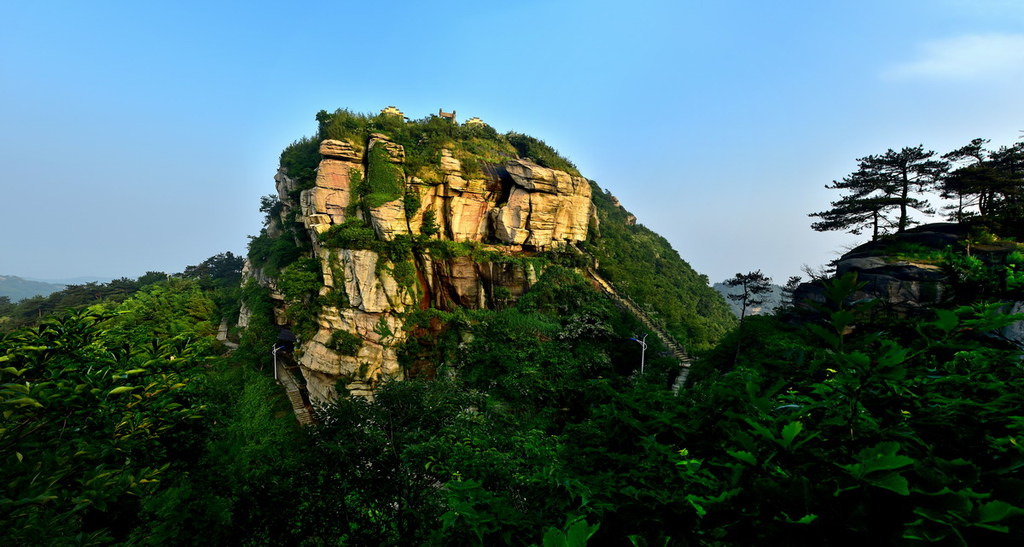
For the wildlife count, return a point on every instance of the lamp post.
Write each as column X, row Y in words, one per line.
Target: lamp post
column 276, row 349
column 643, row 350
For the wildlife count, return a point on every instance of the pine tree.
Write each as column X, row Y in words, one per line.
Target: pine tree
column 756, row 286
column 881, row 186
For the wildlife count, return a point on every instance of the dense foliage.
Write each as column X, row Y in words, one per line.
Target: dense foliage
column 32, row 310
column 98, row 408
column 527, row 423
column 855, row 427
column 887, row 429
column 423, row 140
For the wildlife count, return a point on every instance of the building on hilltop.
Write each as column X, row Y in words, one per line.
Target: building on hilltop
column 393, row 111
column 449, row 115
column 475, row 121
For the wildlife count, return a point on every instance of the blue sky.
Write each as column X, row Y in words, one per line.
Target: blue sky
column 139, row 136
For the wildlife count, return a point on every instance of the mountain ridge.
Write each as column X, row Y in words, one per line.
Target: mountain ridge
column 19, row 288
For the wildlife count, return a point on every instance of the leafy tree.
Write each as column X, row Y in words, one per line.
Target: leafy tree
column 223, row 270
column 97, row 410
column 882, row 184
column 31, row 311
column 300, row 161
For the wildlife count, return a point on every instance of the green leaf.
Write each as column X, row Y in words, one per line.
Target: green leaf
column 743, row 456
column 880, row 457
column 893, row 481
column 121, row 389
column 824, row 334
column 995, row 511
column 24, row 401
column 579, row 532
column 789, row 432
column 806, row 519
column 698, row 507
column 554, row 538
column 841, row 319
column 947, row 320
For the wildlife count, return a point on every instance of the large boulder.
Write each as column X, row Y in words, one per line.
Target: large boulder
column 341, row 150
column 389, row 220
column 902, row 285
column 545, row 206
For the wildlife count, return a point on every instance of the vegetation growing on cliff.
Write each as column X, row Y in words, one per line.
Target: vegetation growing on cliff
column 423, row 140
column 643, row 265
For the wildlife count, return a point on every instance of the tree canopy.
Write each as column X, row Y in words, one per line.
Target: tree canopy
column 882, row 191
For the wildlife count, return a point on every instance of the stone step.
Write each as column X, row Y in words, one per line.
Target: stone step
column 294, row 394
column 678, row 351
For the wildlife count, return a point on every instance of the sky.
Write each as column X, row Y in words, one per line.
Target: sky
column 139, row 136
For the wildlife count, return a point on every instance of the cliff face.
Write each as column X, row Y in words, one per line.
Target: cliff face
column 429, row 236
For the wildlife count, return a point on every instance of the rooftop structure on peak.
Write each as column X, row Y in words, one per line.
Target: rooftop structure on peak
column 475, row 121
column 449, row 115
column 392, row 110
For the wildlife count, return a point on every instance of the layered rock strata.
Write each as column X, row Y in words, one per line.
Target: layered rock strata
column 515, row 207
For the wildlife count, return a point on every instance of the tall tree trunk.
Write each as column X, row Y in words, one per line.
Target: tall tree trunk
column 903, row 203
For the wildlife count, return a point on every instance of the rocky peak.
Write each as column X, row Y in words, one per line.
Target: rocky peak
column 506, row 208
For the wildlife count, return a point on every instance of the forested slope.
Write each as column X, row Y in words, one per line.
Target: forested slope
column 644, row 266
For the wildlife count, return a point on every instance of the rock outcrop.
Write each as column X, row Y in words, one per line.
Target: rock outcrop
column 327, row 202
column 545, row 206
column 506, row 208
column 902, row 284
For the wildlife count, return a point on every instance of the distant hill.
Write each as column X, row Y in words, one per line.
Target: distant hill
column 772, row 301
column 80, row 280
column 17, row 288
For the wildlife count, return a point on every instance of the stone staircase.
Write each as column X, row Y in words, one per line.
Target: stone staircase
column 222, row 335
column 294, row 393
column 629, row 305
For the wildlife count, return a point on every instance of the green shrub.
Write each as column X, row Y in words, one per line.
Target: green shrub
column 272, row 254
column 344, row 342
column 540, row 152
column 301, row 279
column 301, row 158
column 429, row 226
column 343, row 124
column 354, row 233
column 404, row 273
column 411, row 202
column 384, row 182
